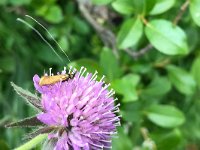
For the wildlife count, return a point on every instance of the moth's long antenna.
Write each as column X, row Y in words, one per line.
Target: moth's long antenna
column 30, row 26
column 49, row 34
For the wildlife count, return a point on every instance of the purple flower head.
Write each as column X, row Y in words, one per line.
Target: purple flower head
column 81, row 110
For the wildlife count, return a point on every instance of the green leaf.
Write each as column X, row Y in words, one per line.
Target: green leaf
column 109, row 64
column 168, row 140
column 162, row 6
column 32, row 143
column 127, row 87
column 101, row 2
column 51, row 13
column 142, row 7
column 30, row 98
column 195, row 71
column 54, row 14
column 182, row 80
column 128, row 7
column 125, row 7
column 123, row 142
column 80, row 26
column 158, row 87
column 149, row 5
column 166, row 37
column 165, row 116
column 130, row 33
column 195, row 11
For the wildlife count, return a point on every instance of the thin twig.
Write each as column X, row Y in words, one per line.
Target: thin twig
column 106, row 35
column 139, row 53
column 181, row 12
column 144, row 20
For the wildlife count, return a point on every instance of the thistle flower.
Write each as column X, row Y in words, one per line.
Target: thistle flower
column 79, row 112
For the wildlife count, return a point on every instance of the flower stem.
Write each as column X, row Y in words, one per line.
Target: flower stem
column 33, row 142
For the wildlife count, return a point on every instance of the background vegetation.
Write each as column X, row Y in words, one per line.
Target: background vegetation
column 149, row 51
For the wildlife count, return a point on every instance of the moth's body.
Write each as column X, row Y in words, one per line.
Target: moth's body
column 48, row 80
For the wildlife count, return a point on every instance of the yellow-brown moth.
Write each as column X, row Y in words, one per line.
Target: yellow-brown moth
column 51, row 79
column 48, row 80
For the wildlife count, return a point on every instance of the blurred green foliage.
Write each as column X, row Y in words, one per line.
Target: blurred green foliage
column 158, row 86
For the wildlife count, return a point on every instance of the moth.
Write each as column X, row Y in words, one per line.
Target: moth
column 51, row 79
column 48, row 80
